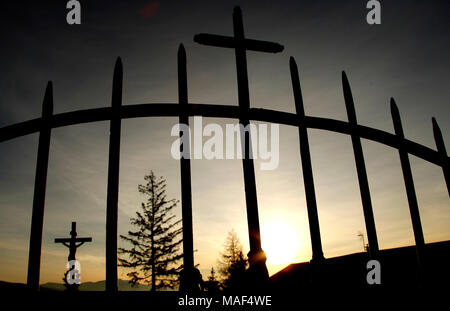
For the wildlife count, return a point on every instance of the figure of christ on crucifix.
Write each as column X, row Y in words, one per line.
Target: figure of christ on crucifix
column 72, row 243
column 257, row 258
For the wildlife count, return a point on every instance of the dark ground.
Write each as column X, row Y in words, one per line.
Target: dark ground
column 338, row 282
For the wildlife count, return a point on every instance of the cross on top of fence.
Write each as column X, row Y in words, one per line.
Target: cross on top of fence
column 257, row 257
column 183, row 109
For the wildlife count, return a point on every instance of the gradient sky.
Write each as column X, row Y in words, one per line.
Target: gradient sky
column 405, row 57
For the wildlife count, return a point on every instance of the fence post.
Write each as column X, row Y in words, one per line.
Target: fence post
column 185, row 166
column 410, row 191
column 442, row 152
column 308, row 180
column 360, row 168
column 113, row 180
column 40, row 184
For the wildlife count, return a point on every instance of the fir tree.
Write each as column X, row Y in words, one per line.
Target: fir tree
column 212, row 284
column 233, row 262
column 212, row 275
column 154, row 253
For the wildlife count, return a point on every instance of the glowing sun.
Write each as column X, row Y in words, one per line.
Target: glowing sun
column 280, row 243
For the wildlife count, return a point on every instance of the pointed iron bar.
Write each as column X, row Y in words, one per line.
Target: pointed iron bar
column 185, row 166
column 361, row 169
column 314, row 228
column 113, row 180
column 410, row 190
column 442, row 153
column 40, row 184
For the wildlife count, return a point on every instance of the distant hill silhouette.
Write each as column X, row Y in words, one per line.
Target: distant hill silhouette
column 85, row 286
column 96, row 286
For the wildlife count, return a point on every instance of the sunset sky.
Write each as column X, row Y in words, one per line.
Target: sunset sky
column 406, row 57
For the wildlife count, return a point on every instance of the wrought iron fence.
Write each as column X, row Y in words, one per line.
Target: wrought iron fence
column 185, row 109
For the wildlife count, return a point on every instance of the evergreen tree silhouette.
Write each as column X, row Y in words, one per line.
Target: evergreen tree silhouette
column 233, row 263
column 154, row 253
column 212, row 285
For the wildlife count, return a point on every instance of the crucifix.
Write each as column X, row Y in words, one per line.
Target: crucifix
column 71, row 242
column 240, row 44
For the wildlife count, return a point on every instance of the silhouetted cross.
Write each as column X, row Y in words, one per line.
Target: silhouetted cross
column 240, row 45
column 71, row 242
